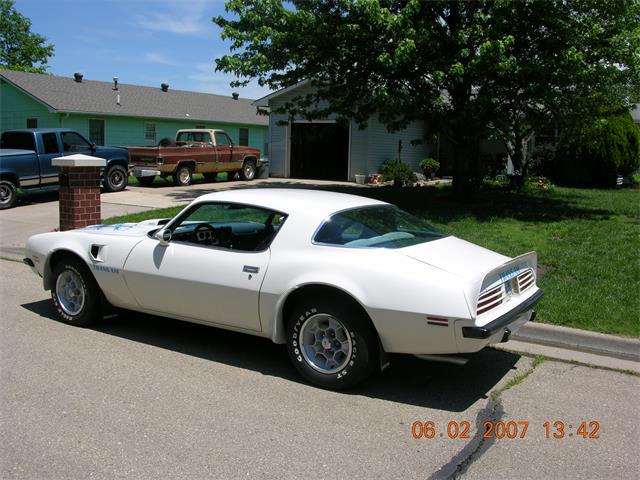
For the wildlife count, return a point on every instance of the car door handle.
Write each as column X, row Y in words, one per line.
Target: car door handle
column 250, row 269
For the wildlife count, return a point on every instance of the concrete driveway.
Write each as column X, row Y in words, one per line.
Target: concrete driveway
column 38, row 213
column 147, row 397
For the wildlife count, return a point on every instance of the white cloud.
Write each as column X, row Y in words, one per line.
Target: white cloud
column 156, row 57
column 188, row 18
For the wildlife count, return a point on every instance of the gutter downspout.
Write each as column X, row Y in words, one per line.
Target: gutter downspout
column 63, row 117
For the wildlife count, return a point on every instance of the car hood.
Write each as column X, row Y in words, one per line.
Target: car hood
column 111, row 152
column 125, row 229
column 456, row 256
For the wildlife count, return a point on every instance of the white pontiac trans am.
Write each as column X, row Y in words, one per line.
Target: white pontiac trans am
column 341, row 279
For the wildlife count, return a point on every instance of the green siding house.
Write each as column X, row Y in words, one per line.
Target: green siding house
column 109, row 113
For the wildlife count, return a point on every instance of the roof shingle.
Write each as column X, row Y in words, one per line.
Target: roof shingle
column 66, row 95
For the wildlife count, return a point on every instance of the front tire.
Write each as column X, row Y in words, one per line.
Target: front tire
column 248, row 171
column 331, row 344
column 8, row 195
column 115, row 178
column 183, row 176
column 75, row 293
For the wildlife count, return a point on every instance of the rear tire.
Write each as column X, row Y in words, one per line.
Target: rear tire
column 115, row 178
column 248, row 171
column 145, row 181
column 8, row 194
column 182, row 176
column 75, row 293
column 331, row 344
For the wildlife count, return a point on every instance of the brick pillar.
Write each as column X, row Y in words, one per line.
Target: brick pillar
column 79, row 190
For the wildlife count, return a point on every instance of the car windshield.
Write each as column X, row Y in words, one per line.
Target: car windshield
column 383, row 226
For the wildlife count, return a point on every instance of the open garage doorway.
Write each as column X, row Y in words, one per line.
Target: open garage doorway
column 320, row 151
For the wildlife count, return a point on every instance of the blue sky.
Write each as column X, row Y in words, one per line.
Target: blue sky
column 142, row 42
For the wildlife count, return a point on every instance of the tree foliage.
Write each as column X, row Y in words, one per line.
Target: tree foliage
column 465, row 67
column 592, row 153
column 20, row 49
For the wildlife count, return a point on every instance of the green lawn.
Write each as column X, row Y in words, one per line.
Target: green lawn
column 588, row 244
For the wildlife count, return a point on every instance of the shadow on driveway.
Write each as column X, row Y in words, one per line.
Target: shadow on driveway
column 408, row 380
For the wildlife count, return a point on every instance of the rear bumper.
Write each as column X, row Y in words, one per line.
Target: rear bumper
column 501, row 323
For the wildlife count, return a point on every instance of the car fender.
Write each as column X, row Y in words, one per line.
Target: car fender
column 106, row 267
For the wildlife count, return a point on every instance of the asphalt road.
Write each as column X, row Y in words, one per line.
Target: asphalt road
column 146, row 397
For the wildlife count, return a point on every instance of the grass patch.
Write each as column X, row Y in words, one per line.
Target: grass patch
column 587, row 243
column 518, row 379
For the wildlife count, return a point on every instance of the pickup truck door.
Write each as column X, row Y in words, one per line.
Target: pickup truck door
column 197, row 282
column 49, row 148
column 224, row 147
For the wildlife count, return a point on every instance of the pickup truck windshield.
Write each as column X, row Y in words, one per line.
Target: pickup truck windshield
column 383, row 226
column 19, row 140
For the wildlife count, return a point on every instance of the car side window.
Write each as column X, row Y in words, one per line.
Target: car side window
column 229, row 226
column 50, row 143
column 72, row 142
column 222, row 139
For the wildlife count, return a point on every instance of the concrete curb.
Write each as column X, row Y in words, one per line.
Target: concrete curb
column 580, row 340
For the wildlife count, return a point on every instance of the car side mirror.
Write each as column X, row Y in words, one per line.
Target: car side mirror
column 93, row 148
column 164, row 237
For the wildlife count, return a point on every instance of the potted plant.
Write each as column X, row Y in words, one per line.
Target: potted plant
column 429, row 166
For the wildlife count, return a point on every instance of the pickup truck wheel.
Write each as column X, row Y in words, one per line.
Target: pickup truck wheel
column 8, row 194
column 248, row 171
column 182, row 177
column 145, row 181
column 75, row 293
column 115, row 178
column 331, row 344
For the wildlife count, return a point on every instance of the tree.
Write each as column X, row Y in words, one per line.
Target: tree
column 463, row 67
column 20, row 49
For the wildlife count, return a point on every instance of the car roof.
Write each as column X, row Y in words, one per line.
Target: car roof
column 41, row 130
column 316, row 203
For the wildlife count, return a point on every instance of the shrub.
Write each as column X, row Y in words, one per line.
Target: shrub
column 593, row 154
column 397, row 171
column 543, row 161
column 429, row 165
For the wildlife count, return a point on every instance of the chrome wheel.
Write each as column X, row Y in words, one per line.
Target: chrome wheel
column 70, row 291
column 116, row 179
column 325, row 343
column 6, row 194
column 184, row 175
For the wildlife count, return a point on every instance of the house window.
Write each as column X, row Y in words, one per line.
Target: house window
column 265, row 152
column 32, row 123
column 244, row 137
column 96, row 131
column 150, row 131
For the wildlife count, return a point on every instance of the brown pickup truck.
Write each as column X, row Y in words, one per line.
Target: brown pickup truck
column 194, row 151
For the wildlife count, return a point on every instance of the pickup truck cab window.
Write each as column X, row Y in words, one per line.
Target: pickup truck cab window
column 72, row 142
column 229, row 226
column 222, row 139
column 197, row 137
column 18, row 140
column 50, row 143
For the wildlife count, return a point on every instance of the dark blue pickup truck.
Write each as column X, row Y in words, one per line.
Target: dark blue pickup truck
column 25, row 160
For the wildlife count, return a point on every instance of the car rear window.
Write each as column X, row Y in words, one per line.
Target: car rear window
column 384, row 226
